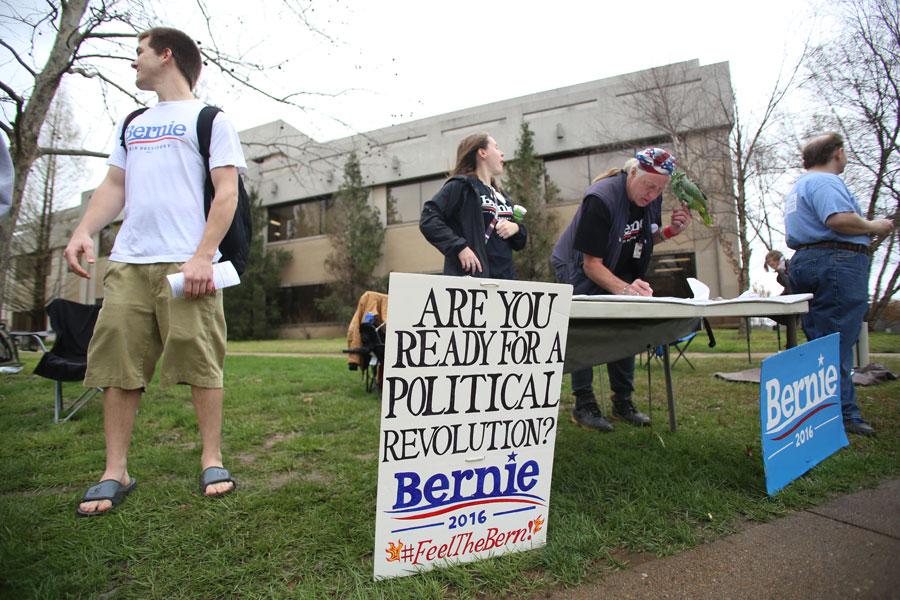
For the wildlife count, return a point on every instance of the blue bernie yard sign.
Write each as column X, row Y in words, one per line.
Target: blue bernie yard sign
column 800, row 410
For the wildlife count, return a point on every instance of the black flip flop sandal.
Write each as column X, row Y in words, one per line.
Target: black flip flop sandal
column 108, row 489
column 211, row 475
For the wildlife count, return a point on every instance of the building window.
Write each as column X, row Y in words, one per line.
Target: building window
column 601, row 162
column 405, row 201
column 668, row 273
column 303, row 219
column 574, row 174
column 571, row 175
column 298, row 304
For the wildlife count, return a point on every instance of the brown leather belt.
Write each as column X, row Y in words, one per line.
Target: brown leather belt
column 837, row 246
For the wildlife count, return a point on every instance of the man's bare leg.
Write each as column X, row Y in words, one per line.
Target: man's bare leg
column 119, row 409
column 208, row 406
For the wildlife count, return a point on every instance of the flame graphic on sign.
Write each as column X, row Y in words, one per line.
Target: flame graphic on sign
column 393, row 551
column 537, row 524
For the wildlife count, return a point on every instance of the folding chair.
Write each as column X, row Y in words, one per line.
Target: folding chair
column 67, row 360
column 9, row 354
column 365, row 338
column 681, row 345
column 370, row 355
column 373, row 342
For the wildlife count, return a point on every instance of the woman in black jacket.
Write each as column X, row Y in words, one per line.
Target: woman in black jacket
column 469, row 220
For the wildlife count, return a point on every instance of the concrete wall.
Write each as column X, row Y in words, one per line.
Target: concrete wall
column 582, row 129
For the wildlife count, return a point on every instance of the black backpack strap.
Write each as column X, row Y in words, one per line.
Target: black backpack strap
column 131, row 117
column 204, row 139
column 204, row 130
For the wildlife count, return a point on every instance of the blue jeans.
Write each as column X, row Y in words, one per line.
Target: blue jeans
column 621, row 372
column 839, row 283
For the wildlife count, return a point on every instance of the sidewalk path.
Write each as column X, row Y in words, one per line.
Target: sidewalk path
column 847, row 548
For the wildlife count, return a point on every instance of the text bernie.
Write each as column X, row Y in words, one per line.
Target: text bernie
column 790, row 401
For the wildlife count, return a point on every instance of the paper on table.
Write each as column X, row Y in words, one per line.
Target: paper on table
column 701, row 297
column 788, row 299
column 224, row 275
column 699, row 289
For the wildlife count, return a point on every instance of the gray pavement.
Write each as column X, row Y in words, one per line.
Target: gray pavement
column 846, row 548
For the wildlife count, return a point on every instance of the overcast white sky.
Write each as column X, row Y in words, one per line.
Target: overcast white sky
column 400, row 60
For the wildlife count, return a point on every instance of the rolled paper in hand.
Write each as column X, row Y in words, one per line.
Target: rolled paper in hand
column 519, row 213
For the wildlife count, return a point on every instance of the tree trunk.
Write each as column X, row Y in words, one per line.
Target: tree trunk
column 30, row 118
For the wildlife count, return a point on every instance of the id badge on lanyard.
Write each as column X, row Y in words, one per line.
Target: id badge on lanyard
column 638, row 248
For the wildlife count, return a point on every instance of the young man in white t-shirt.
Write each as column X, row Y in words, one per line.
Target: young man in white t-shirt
column 158, row 179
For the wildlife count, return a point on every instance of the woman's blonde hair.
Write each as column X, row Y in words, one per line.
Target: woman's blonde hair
column 631, row 165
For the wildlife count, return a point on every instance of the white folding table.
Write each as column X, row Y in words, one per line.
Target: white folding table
column 603, row 329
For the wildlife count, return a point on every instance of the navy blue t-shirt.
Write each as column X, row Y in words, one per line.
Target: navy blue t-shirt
column 494, row 206
column 593, row 233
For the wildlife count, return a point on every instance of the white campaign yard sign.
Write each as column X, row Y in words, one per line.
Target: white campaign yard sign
column 473, row 370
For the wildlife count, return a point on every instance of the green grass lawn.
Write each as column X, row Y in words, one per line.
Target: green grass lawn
column 766, row 340
column 301, row 437
column 290, row 346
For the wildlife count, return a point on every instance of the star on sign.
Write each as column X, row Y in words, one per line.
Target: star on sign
column 821, row 360
column 512, row 456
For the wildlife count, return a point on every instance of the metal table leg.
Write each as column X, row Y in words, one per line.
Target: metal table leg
column 791, row 334
column 670, row 396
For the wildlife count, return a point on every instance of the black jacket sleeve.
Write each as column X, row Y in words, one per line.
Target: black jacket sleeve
column 440, row 220
column 518, row 241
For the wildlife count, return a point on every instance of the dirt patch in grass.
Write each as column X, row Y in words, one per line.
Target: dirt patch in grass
column 277, row 438
column 245, row 458
column 281, row 479
column 314, row 476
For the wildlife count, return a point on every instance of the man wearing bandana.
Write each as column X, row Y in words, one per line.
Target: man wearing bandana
column 606, row 249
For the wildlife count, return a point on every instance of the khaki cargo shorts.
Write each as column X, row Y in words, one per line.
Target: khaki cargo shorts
column 141, row 322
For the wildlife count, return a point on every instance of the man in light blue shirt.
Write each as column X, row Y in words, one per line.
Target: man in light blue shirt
column 823, row 223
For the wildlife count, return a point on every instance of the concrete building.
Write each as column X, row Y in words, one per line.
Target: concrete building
column 580, row 131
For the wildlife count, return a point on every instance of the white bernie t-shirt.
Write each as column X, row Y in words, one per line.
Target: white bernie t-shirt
column 164, row 178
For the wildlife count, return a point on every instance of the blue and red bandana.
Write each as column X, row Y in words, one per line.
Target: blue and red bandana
column 656, row 160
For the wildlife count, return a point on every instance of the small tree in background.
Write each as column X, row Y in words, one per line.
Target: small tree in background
column 357, row 237
column 527, row 184
column 54, row 180
column 252, row 308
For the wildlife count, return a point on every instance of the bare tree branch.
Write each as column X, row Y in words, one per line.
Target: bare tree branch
column 105, row 56
column 18, row 58
column 12, row 94
column 108, row 35
column 71, row 152
column 98, row 75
